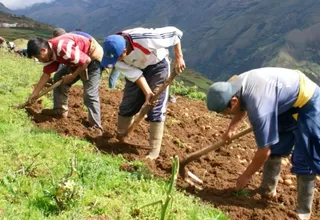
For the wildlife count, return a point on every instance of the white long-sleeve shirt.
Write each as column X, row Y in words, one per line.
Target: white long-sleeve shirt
column 149, row 48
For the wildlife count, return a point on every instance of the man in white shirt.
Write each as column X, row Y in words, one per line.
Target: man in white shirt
column 141, row 55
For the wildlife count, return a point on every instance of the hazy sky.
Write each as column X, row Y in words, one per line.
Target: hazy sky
column 18, row 4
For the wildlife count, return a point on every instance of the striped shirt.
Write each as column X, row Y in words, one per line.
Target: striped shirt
column 69, row 49
column 149, row 48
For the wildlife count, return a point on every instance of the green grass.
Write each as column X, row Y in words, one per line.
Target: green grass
column 35, row 163
column 11, row 34
column 192, row 78
column 192, row 92
column 242, row 193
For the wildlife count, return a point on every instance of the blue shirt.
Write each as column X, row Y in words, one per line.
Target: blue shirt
column 82, row 34
column 267, row 93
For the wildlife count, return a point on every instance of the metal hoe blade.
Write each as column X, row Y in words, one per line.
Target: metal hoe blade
column 191, row 178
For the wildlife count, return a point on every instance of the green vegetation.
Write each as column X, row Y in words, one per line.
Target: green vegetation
column 191, row 78
column 311, row 69
column 172, row 184
column 189, row 91
column 26, row 33
column 46, row 176
column 26, row 27
column 243, row 193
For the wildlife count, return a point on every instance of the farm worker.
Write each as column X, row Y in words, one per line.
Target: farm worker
column 141, row 55
column 113, row 77
column 11, row 45
column 81, row 53
column 1, row 40
column 270, row 96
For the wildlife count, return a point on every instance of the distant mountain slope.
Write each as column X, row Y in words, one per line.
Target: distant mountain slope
column 221, row 37
column 4, row 8
column 13, row 27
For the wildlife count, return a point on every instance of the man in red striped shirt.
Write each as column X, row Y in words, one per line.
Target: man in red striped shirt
column 84, row 55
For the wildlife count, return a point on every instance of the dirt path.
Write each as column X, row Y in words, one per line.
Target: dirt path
column 189, row 127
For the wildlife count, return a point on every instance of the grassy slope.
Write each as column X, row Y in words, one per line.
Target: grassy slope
column 192, row 78
column 26, row 27
column 34, row 161
column 189, row 77
column 12, row 33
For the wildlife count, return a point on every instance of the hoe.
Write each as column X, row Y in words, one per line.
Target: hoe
column 42, row 93
column 146, row 108
column 191, row 178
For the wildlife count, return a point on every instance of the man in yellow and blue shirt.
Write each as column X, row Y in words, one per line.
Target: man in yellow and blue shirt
column 272, row 98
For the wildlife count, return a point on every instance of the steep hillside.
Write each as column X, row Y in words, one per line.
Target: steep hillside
column 13, row 26
column 222, row 37
column 4, row 8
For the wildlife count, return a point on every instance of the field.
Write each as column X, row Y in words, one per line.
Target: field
column 26, row 27
column 192, row 78
column 36, row 165
column 113, row 179
column 12, row 33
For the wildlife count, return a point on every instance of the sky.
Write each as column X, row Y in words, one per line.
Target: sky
column 19, row 4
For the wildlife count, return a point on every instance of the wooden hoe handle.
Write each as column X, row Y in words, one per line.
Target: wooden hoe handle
column 42, row 93
column 146, row 108
column 199, row 153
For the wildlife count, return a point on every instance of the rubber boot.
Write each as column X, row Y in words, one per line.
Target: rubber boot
column 124, row 123
column 305, row 184
column 270, row 176
column 155, row 139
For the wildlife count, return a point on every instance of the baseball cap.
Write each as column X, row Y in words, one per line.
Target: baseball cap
column 113, row 47
column 220, row 94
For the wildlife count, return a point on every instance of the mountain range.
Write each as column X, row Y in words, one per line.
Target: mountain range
column 221, row 37
column 3, row 8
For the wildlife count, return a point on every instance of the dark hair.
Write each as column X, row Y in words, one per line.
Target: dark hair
column 58, row 31
column 237, row 95
column 35, row 45
column 229, row 103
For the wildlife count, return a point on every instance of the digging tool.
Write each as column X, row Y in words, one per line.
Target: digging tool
column 146, row 108
column 42, row 93
column 193, row 179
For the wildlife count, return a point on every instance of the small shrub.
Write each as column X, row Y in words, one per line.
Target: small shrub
column 191, row 92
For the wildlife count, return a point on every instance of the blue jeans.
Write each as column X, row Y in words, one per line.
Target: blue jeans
column 307, row 146
column 301, row 138
column 113, row 78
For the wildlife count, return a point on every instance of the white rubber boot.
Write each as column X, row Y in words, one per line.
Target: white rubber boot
column 123, row 125
column 155, row 139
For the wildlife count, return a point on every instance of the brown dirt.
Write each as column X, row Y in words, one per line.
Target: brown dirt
column 189, row 127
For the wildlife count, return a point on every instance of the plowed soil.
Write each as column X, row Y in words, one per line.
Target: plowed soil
column 189, row 127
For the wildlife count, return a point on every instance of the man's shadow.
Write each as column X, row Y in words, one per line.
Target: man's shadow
column 38, row 117
column 107, row 143
column 230, row 197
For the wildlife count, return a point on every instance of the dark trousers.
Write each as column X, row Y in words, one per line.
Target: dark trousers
column 133, row 97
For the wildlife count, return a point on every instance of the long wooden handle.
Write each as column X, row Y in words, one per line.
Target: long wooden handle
column 53, row 86
column 199, row 153
column 146, row 108
column 42, row 93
